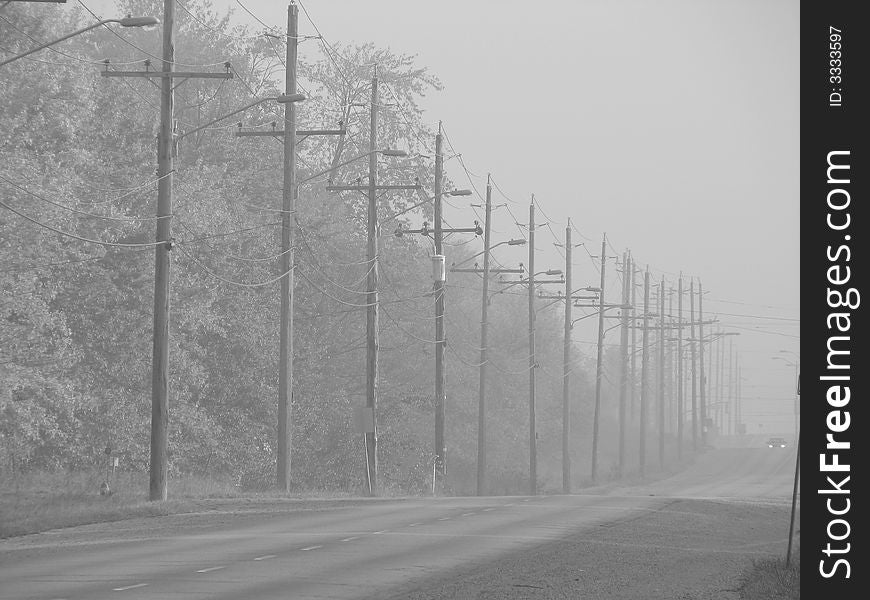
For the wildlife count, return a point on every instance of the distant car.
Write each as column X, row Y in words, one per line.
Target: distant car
column 776, row 442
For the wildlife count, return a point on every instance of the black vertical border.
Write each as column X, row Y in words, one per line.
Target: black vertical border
column 826, row 128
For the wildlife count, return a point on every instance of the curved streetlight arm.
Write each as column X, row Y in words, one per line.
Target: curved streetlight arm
column 126, row 22
column 519, row 242
column 598, row 310
column 424, row 201
column 347, row 162
column 226, row 116
column 526, row 280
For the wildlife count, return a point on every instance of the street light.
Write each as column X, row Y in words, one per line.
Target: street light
column 282, row 99
column 384, row 151
column 125, row 22
column 511, row 242
column 286, row 98
column 425, row 200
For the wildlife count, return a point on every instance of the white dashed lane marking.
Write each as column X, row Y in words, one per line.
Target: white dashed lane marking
column 467, row 514
column 414, row 524
column 380, row 532
column 444, row 519
column 310, row 548
column 350, row 539
column 210, row 569
column 265, row 557
column 487, row 509
column 129, row 587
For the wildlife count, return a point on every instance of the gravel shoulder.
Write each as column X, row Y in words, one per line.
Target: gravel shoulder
column 687, row 550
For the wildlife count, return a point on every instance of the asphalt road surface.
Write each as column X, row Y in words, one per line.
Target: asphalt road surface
column 368, row 549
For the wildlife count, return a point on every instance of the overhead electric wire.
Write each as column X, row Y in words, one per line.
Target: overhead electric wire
column 716, row 312
column 326, row 44
column 77, row 237
column 81, row 212
column 260, row 21
column 55, row 50
column 142, row 50
column 211, row 273
column 212, row 29
column 127, row 189
column 47, row 265
column 405, row 117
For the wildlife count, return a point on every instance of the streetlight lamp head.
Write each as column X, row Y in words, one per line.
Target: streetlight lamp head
column 138, row 21
column 519, row 242
column 459, row 193
column 390, row 152
column 285, row 98
column 554, row 272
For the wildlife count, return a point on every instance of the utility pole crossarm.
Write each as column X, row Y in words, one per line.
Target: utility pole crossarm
column 299, row 132
column 366, row 188
column 165, row 75
column 476, row 230
column 485, row 270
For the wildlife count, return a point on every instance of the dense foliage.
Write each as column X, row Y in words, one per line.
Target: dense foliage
column 77, row 155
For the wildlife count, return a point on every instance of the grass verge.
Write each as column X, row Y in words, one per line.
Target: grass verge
column 37, row 502
column 771, row 579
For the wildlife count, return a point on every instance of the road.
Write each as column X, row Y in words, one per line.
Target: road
column 368, row 549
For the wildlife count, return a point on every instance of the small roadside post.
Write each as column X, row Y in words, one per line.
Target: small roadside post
column 797, row 467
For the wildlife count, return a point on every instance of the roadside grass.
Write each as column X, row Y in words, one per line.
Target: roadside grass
column 770, row 579
column 41, row 501
column 35, row 502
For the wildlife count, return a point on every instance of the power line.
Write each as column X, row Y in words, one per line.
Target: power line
column 77, row 237
column 327, row 45
column 211, row 273
column 212, row 29
column 143, row 51
column 754, row 316
column 80, row 212
column 247, row 10
column 51, row 264
column 56, row 51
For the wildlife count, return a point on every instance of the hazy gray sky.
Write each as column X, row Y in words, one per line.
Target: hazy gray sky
column 670, row 125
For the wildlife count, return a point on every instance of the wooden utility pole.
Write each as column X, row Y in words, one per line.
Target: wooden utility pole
column 633, row 299
column 670, row 364
column 440, row 342
column 730, row 406
column 165, row 169
column 533, row 450
column 372, row 303
column 720, row 405
column 644, row 371
column 484, row 324
column 288, row 216
column 623, row 351
column 661, row 366
column 166, row 150
column 289, row 135
column 693, row 346
column 566, row 368
column 740, row 427
column 703, row 378
column 372, row 342
column 599, row 364
column 723, row 350
column 681, row 417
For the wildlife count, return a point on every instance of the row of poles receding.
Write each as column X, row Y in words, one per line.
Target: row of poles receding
column 630, row 320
